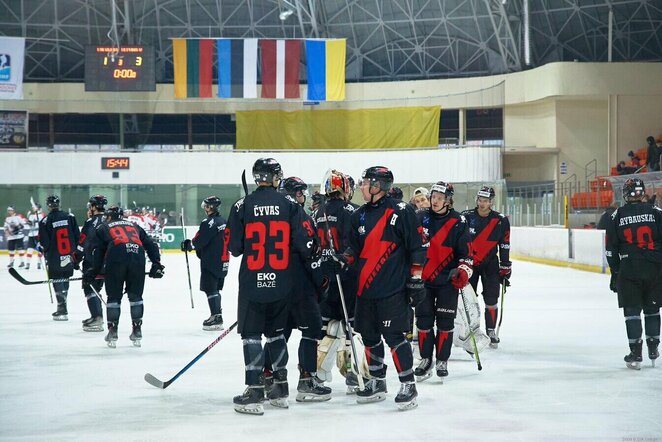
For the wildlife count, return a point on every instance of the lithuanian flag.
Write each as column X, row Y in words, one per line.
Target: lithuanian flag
column 192, row 61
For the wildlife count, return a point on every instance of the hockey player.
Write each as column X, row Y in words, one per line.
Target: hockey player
column 35, row 216
column 95, row 213
column 420, row 198
column 120, row 246
column 265, row 227
column 634, row 254
column 396, row 193
column 334, row 217
column 14, row 225
column 447, row 269
column 58, row 236
column 490, row 233
column 309, row 283
column 386, row 245
column 211, row 246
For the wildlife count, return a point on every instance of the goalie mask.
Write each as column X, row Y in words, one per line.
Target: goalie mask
column 336, row 184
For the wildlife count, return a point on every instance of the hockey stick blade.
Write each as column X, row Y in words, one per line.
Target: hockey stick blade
column 17, row 276
column 151, row 380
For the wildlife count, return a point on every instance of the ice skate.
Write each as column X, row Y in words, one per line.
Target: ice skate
column 375, row 391
column 442, row 368
column 310, row 389
column 111, row 337
column 494, row 339
column 10, row 265
column 352, row 383
column 268, row 380
column 653, row 352
column 250, row 402
column 136, row 334
column 27, row 266
column 21, row 265
column 634, row 359
column 61, row 313
column 214, row 322
column 406, row 398
column 280, row 391
column 424, row 370
column 94, row 324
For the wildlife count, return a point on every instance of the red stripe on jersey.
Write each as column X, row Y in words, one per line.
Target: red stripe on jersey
column 481, row 245
column 375, row 252
column 438, row 255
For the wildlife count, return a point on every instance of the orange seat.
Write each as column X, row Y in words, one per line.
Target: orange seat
column 592, row 200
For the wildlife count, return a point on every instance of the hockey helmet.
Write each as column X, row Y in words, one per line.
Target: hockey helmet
column 379, row 176
column 265, row 170
column 443, row 187
column 291, row 185
column 53, row 201
column 633, row 190
column 396, row 193
column 113, row 213
column 211, row 202
column 486, row 192
column 336, row 183
column 98, row 201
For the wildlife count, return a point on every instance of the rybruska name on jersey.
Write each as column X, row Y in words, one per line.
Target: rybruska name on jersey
column 634, row 219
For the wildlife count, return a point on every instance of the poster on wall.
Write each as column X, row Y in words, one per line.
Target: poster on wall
column 12, row 53
column 13, row 129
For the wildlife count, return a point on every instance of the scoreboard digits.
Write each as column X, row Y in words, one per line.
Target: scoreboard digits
column 123, row 69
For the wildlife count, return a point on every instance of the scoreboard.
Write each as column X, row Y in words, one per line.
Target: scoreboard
column 123, row 69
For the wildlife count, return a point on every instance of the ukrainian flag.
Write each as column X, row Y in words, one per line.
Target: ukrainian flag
column 326, row 69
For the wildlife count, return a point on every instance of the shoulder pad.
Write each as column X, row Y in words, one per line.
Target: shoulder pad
column 210, row 223
column 348, row 207
column 239, row 203
column 401, row 205
column 615, row 214
column 290, row 199
column 462, row 218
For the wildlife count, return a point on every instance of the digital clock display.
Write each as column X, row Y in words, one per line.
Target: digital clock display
column 115, row 163
column 123, row 69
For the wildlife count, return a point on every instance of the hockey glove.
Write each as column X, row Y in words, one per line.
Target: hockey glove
column 75, row 260
column 157, row 270
column 415, row 290
column 186, row 246
column 89, row 277
column 341, row 262
column 613, row 282
column 504, row 273
column 323, row 289
column 460, row 276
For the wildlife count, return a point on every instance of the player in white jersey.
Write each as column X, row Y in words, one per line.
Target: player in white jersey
column 35, row 215
column 14, row 224
column 137, row 218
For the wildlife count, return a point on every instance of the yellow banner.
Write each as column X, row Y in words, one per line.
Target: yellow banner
column 389, row 128
column 179, row 66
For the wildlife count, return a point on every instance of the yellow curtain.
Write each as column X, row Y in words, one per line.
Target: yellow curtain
column 389, row 128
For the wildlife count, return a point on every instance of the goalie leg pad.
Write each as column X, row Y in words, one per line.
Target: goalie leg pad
column 326, row 356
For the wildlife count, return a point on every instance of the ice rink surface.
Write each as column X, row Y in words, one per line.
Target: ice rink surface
column 558, row 374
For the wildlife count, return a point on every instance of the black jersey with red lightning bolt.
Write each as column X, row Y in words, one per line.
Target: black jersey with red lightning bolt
column 385, row 240
column 489, row 234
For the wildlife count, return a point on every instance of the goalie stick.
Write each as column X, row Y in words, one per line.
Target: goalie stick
column 471, row 331
column 151, row 380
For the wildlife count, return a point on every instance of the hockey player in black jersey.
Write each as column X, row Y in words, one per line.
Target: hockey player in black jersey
column 490, row 233
column 386, row 245
column 95, row 209
column 304, row 311
column 58, row 237
column 634, row 253
column 333, row 218
column 265, row 227
column 211, row 246
column 119, row 250
column 447, row 269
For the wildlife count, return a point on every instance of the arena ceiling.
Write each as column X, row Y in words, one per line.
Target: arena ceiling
column 386, row 39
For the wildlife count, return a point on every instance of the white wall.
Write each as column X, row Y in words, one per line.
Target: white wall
column 410, row 166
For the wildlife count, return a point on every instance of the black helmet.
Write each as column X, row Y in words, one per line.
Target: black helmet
column 53, row 201
column 212, row 202
column 379, row 176
column 113, row 212
column 98, row 201
column 352, row 183
column 633, row 190
column 443, row 187
column 266, row 169
column 396, row 193
column 292, row 185
column 486, row 192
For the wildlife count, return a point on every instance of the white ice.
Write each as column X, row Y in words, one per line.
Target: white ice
column 558, row 374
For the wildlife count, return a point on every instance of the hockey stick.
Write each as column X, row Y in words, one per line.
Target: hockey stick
column 98, row 295
column 471, row 332
column 348, row 331
column 503, row 295
column 188, row 269
column 243, row 182
column 50, row 287
column 22, row 280
column 150, row 379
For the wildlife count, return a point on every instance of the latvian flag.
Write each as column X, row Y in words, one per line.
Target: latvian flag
column 237, row 68
column 280, row 68
column 192, row 61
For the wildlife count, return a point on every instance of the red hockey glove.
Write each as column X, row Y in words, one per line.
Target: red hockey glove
column 504, row 273
column 460, row 276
